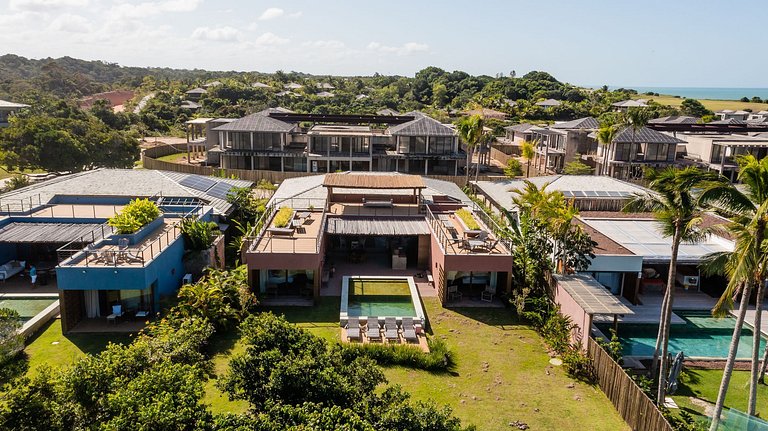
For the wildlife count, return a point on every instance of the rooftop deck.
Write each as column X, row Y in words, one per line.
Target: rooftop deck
column 304, row 237
column 77, row 211
column 455, row 238
column 136, row 255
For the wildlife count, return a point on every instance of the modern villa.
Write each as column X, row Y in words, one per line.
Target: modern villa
column 7, row 109
column 276, row 139
column 380, row 223
column 59, row 226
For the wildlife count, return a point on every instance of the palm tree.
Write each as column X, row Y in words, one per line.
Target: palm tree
column 679, row 214
column 528, row 152
column 605, row 137
column 470, row 131
column 747, row 265
column 636, row 119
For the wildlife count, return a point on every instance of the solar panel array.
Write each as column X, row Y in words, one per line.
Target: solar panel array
column 198, row 183
column 595, row 194
column 220, row 190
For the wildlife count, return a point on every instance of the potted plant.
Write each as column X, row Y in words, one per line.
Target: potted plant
column 138, row 218
column 199, row 237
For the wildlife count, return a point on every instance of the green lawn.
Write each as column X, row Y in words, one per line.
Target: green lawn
column 174, row 158
column 705, row 384
column 518, row 383
column 51, row 348
column 712, row 105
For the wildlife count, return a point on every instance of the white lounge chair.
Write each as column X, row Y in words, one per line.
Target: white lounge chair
column 117, row 312
column 353, row 329
column 409, row 330
column 374, row 330
column 390, row 329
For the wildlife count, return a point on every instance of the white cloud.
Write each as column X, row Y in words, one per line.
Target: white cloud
column 219, row 34
column 296, row 14
column 321, row 44
column 404, row 49
column 271, row 13
column 44, row 5
column 146, row 9
column 270, row 39
column 71, row 23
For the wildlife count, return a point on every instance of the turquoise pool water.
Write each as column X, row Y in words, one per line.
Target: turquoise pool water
column 701, row 336
column 27, row 307
column 381, row 306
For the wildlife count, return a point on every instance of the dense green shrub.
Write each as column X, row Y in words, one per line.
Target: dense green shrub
column 11, row 342
column 557, row 332
column 135, row 215
column 469, row 221
column 578, row 365
column 514, row 168
column 283, row 217
column 439, row 358
column 199, row 235
column 220, row 297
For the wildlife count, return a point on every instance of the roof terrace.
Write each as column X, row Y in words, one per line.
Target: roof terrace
column 301, row 232
column 468, row 231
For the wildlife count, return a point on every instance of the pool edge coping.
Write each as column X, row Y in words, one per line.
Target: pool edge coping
column 415, row 298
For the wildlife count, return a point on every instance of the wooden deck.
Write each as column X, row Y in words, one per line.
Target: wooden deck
column 458, row 248
column 303, row 240
column 650, row 309
column 78, row 211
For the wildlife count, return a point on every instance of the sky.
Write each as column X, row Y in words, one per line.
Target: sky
column 670, row 43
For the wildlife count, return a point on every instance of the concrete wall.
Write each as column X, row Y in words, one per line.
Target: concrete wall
column 569, row 307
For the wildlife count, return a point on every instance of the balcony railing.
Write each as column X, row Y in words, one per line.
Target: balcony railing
column 450, row 245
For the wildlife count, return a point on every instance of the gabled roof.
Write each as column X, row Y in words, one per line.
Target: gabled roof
column 630, row 104
column 645, row 134
column 293, row 86
column 212, row 84
column 675, row 119
column 256, row 123
column 7, row 104
column 582, row 123
column 197, row 90
column 324, row 94
column 519, row 127
column 361, row 96
column 761, row 120
column 549, row 102
column 188, row 104
column 260, row 85
column 422, row 126
column 325, row 86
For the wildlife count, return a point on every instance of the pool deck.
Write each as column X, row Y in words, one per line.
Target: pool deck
column 750, row 317
column 650, row 309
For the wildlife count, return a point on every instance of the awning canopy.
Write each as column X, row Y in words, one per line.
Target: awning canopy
column 591, row 296
column 378, row 226
column 41, row 233
column 347, row 181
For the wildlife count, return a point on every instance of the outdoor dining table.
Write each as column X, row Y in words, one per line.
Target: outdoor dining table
column 303, row 215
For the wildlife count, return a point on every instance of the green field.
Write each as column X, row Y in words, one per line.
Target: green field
column 712, row 105
column 704, row 384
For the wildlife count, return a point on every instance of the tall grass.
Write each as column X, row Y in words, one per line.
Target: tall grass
column 439, row 358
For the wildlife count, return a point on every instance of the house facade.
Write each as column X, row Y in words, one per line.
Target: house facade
column 386, row 221
column 278, row 140
column 7, row 109
column 564, row 142
column 631, row 151
column 60, row 227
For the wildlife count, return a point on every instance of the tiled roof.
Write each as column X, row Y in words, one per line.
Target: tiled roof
column 422, row 126
column 645, row 134
column 256, row 123
column 581, row 123
column 675, row 119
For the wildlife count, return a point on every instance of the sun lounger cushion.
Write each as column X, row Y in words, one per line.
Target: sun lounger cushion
column 353, row 329
column 374, row 331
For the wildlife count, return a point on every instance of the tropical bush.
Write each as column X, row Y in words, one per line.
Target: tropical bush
column 469, row 221
column 439, row 358
column 220, row 297
column 135, row 215
column 283, row 217
column 16, row 182
column 199, row 235
column 265, row 185
column 11, row 342
column 514, row 168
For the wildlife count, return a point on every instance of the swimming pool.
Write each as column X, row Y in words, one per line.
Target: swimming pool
column 701, row 336
column 380, row 297
column 27, row 307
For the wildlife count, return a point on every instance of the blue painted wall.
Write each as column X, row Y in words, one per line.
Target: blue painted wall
column 166, row 269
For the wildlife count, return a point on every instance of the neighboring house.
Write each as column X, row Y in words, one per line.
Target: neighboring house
column 516, row 134
column 634, row 150
column 274, row 140
column 758, row 116
column 190, row 105
column 719, row 152
column 202, row 142
column 260, row 85
column 560, row 143
column 625, row 105
column 7, row 109
column 60, row 226
column 675, row 119
column 212, row 84
column 195, row 94
column 361, row 97
column 387, row 111
column 325, row 94
column 727, row 114
column 326, row 86
column 549, row 103
column 398, row 224
column 292, row 86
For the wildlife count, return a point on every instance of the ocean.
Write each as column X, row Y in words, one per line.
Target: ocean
column 717, row 93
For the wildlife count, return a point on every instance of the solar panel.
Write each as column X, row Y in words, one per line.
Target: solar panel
column 590, row 193
column 578, row 194
column 615, row 194
column 198, row 183
column 602, row 193
column 220, row 190
column 567, row 194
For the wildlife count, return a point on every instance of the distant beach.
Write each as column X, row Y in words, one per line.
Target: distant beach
column 715, row 93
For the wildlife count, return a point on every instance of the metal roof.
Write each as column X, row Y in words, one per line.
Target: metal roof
column 643, row 237
column 7, row 104
column 519, row 127
column 581, row 123
column 19, row 232
column 422, row 126
column 674, row 119
column 256, row 123
column 630, row 104
column 549, row 102
column 397, row 226
column 197, row 90
column 646, row 135
column 591, row 296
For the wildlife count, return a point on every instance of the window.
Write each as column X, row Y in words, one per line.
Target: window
column 622, row 153
column 266, row 141
column 295, row 164
column 657, row 152
column 320, row 144
column 417, row 144
column 360, row 145
column 441, row 145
